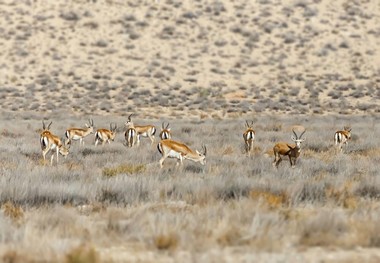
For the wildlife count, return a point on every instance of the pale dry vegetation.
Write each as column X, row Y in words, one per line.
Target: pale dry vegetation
column 112, row 203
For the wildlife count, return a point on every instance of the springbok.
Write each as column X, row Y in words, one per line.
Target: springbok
column 144, row 131
column 173, row 149
column 130, row 135
column 74, row 134
column 165, row 132
column 249, row 137
column 49, row 141
column 105, row 135
column 341, row 137
column 291, row 150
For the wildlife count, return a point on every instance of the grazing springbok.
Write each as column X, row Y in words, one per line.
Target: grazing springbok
column 105, row 135
column 49, row 142
column 249, row 137
column 341, row 137
column 130, row 135
column 144, row 131
column 291, row 150
column 165, row 132
column 173, row 149
column 74, row 134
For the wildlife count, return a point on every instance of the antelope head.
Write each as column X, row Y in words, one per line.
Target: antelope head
column 129, row 122
column 113, row 131
column 298, row 139
column 90, row 126
column 202, row 156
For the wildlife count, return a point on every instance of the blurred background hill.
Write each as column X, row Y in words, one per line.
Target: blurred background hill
column 178, row 58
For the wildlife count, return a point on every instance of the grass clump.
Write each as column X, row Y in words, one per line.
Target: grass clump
column 124, row 169
column 82, row 254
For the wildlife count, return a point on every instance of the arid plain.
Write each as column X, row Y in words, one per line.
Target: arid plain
column 205, row 67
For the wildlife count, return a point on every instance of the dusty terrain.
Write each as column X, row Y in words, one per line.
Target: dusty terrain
column 190, row 58
column 206, row 67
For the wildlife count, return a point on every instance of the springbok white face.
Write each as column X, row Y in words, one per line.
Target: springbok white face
column 298, row 140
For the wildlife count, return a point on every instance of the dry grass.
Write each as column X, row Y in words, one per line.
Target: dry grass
column 112, row 195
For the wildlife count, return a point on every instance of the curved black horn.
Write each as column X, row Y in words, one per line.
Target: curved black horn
column 48, row 127
column 204, row 150
column 295, row 134
column 167, row 126
column 246, row 122
column 129, row 117
column 43, row 125
column 302, row 133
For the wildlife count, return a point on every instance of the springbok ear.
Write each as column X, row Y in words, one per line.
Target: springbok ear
column 87, row 125
column 168, row 129
column 293, row 139
column 197, row 152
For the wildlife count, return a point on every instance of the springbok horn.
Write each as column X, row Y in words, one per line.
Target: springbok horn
column 49, row 125
column 167, row 126
column 295, row 134
column 204, row 150
column 302, row 133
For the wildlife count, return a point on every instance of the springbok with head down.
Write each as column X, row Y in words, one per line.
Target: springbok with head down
column 173, row 149
column 105, row 135
column 49, row 142
column 291, row 150
column 342, row 137
column 249, row 137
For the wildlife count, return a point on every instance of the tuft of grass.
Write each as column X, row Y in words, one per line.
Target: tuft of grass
column 82, row 254
column 14, row 212
column 166, row 241
column 273, row 200
column 124, row 169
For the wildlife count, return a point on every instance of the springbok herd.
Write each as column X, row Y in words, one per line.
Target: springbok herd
column 168, row 147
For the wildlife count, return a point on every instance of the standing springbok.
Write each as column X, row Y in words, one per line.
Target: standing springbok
column 74, row 134
column 105, row 135
column 144, row 131
column 249, row 137
column 341, row 137
column 165, row 132
column 173, row 149
column 49, row 141
column 291, row 150
column 130, row 135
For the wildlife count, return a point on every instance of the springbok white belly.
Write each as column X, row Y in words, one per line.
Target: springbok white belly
column 174, row 154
